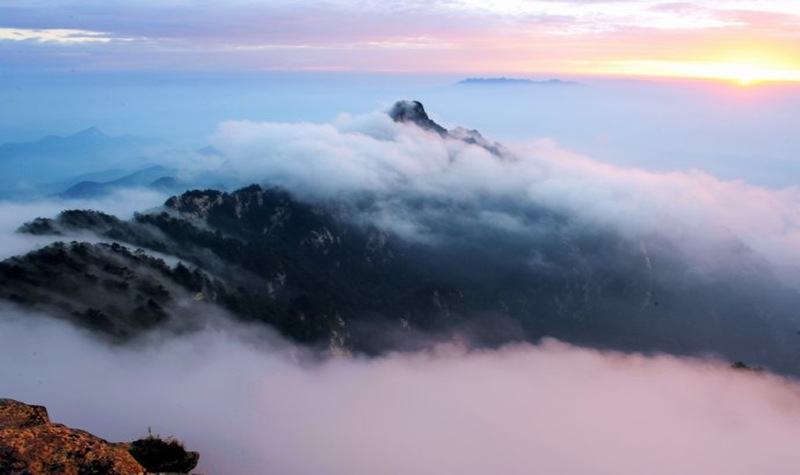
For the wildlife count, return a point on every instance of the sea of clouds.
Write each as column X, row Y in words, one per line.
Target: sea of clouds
column 259, row 405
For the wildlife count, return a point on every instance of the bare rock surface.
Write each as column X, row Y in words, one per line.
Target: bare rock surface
column 30, row 444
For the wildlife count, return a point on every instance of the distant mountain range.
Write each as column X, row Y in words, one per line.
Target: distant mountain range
column 91, row 142
column 503, row 81
column 54, row 164
column 155, row 177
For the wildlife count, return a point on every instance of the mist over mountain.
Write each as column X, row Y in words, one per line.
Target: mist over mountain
column 155, row 177
column 403, row 265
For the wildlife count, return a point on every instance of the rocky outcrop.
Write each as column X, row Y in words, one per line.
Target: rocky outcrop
column 31, row 445
column 413, row 112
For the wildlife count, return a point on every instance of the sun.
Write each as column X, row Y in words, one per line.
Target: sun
column 745, row 74
column 742, row 74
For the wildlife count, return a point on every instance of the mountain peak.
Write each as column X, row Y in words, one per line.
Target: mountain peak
column 414, row 112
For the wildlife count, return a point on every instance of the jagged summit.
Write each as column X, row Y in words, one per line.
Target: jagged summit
column 414, row 112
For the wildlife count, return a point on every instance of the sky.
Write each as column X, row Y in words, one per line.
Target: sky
column 741, row 40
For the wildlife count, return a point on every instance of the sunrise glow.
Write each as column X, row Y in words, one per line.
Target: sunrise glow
column 742, row 73
column 744, row 42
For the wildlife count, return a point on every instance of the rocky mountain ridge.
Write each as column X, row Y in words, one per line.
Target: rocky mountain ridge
column 322, row 276
column 328, row 273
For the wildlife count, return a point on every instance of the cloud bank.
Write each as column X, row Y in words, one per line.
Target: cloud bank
column 262, row 406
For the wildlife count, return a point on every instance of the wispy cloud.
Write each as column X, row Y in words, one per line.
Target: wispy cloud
column 55, row 35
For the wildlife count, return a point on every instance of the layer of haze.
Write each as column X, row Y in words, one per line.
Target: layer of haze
column 729, row 131
column 257, row 405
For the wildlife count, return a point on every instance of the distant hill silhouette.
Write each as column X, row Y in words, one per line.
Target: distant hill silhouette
column 502, row 81
column 37, row 167
column 155, row 177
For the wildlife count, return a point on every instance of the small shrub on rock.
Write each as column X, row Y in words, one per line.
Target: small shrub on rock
column 163, row 455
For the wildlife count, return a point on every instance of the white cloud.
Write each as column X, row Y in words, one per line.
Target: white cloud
column 55, row 35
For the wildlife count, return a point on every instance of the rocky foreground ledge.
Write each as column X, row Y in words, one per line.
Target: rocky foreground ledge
column 32, row 445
